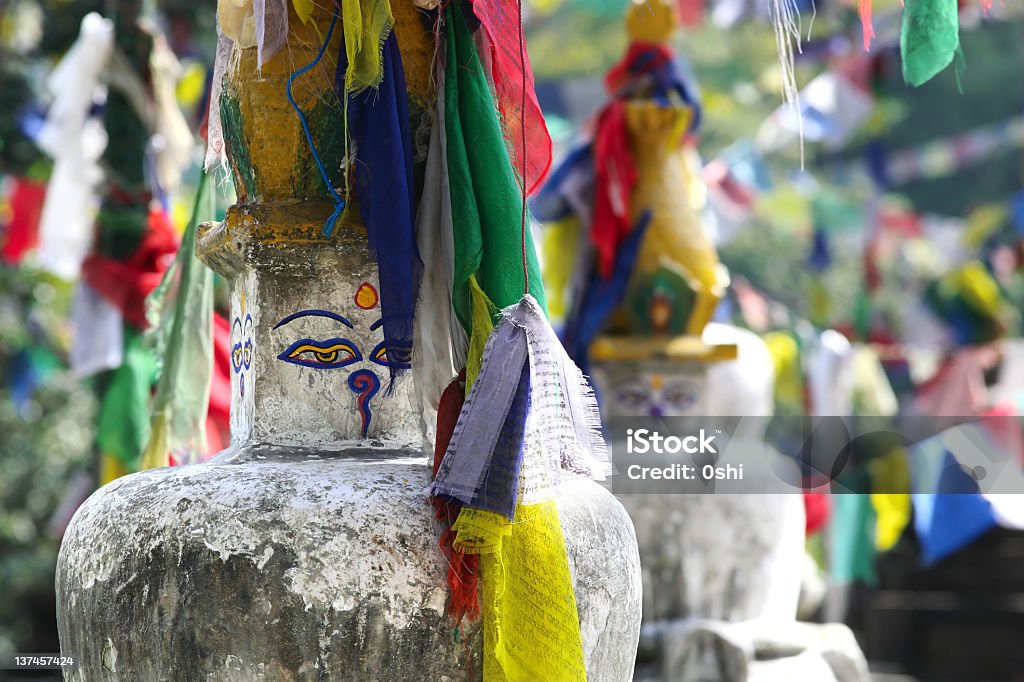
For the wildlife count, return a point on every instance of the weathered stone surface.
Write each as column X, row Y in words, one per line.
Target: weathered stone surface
column 277, row 273
column 723, row 572
column 732, row 566
column 731, row 557
column 307, row 566
column 833, row 642
column 761, row 650
column 307, row 551
column 804, row 666
column 704, row 651
column 727, row 557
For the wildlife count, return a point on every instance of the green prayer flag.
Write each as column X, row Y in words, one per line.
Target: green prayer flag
column 123, row 425
column 181, row 311
column 487, row 202
column 852, row 533
column 929, row 38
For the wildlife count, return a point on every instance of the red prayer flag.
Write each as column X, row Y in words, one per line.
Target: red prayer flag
column 127, row 283
column 513, row 84
column 218, row 414
column 616, row 175
column 690, row 12
column 22, row 231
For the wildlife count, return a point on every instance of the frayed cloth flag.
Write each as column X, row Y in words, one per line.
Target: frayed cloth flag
column 21, row 234
column 378, row 123
column 122, row 426
column 176, row 149
column 236, row 18
column 271, row 18
column 127, row 282
column 76, row 141
column 601, row 295
column 529, row 420
column 531, row 623
column 929, row 38
column 304, row 9
column 97, row 328
column 368, row 24
column 864, row 10
column 616, row 175
column 569, row 189
column 482, row 322
column 181, row 312
column 262, row 24
column 785, row 18
column 521, row 115
column 463, row 569
column 557, row 421
column 216, row 155
column 492, row 424
column 486, row 200
column 949, row 512
column 439, row 341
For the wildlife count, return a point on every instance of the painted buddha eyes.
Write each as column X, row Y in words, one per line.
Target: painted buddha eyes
column 241, row 346
column 633, row 396
column 329, row 354
column 396, row 358
column 241, row 350
column 656, row 396
column 336, row 353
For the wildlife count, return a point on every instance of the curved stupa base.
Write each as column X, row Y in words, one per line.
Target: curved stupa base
column 278, row 566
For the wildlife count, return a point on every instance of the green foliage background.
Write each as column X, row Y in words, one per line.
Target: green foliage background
column 43, row 444
column 48, row 440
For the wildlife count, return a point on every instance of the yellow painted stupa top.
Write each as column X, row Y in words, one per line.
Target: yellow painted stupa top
column 266, row 145
column 282, row 198
column 677, row 261
column 651, row 21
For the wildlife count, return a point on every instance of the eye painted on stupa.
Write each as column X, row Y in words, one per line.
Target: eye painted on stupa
column 237, row 353
column 329, row 354
column 393, row 356
column 236, row 357
column 633, row 395
column 333, row 353
column 241, row 343
column 679, row 395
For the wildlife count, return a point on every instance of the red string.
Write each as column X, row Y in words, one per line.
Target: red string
column 522, row 127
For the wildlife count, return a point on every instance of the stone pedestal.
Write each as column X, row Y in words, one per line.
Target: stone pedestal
column 721, row 572
column 287, row 564
column 308, row 550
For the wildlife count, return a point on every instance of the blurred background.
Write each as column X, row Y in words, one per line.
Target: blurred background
column 893, row 215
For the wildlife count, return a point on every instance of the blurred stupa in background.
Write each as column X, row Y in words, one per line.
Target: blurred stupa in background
column 638, row 280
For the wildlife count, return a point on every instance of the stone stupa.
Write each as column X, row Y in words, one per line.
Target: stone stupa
column 307, row 550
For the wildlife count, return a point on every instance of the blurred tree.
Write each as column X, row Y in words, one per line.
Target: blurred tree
column 46, row 425
column 46, row 416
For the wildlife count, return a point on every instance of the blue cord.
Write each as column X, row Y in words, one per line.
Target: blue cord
column 339, row 203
